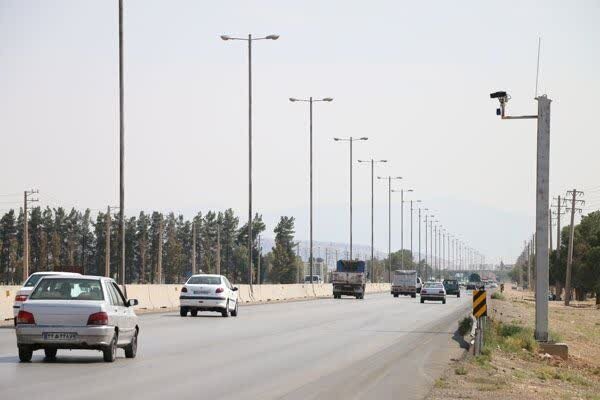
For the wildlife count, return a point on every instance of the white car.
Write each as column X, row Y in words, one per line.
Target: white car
column 77, row 312
column 25, row 291
column 433, row 291
column 205, row 292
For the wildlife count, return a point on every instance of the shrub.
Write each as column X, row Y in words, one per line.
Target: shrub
column 465, row 325
column 498, row 296
column 460, row 371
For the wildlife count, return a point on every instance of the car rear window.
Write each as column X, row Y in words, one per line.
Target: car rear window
column 204, row 280
column 68, row 289
column 434, row 285
column 33, row 279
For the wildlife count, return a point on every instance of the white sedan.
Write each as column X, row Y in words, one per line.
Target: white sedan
column 77, row 312
column 25, row 291
column 205, row 292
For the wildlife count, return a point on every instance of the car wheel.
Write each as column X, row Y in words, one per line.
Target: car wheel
column 50, row 354
column 226, row 313
column 413, row 296
column 25, row 353
column 444, row 301
column 234, row 313
column 183, row 311
column 131, row 348
column 422, row 300
column 194, row 313
column 395, row 294
column 458, row 295
column 15, row 321
column 109, row 353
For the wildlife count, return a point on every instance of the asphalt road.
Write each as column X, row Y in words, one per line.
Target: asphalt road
column 380, row 347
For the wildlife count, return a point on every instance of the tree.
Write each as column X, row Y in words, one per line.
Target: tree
column 284, row 261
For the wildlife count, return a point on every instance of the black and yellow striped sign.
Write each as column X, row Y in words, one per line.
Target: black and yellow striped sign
column 479, row 303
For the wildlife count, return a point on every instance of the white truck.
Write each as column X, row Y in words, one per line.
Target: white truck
column 405, row 282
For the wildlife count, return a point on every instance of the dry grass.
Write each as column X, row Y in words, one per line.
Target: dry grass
column 510, row 366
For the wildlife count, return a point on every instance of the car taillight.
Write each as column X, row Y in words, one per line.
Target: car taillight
column 423, row 291
column 219, row 290
column 184, row 290
column 21, row 297
column 441, row 292
column 99, row 318
column 25, row 317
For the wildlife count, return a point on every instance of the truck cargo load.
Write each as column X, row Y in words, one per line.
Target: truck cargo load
column 405, row 282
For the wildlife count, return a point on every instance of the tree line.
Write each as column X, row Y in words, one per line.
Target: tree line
column 585, row 273
column 61, row 239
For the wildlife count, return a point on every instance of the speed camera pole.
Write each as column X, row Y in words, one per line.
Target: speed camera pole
column 542, row 206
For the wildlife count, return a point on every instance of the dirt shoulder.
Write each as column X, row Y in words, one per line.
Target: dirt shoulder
column 511, row 366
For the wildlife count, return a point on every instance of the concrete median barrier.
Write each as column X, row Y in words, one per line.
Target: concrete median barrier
column 142, row 294
column 7, row 299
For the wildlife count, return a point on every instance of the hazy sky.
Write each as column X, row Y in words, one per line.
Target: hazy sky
column 414, row 77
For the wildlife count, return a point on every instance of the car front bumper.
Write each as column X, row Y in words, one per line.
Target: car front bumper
column 86, row 336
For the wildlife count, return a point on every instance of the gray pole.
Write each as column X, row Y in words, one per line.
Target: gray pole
column 250, row 161
column 411, row 230
column 372, row 218
column 426, row 219
column 25, row 239
column 390, row 226
column 435, row 249
column 419, row 252
column 558, row 231
column 542, row 204
column 121, row 148
column 570, row 252
column 193, row 248
column 402, row 228
column 311, row 190
column 350, row 198
column 107, row 244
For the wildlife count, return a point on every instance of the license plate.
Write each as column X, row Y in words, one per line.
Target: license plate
column 201, row 291
column 59, row 336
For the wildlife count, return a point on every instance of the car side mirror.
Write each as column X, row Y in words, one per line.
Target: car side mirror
column 235, row 289
column 132, row 302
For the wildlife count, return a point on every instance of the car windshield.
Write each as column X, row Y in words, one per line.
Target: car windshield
column 204, row 280
column 33, row 279
column 434, row 285
column 68, row 289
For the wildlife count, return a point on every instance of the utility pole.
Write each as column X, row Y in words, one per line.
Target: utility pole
column 372, row 162
column 558, row 214
column 218, row 258
column 435, row 246
column 419, row 252
column 426, row 248
column 193, row 248
column 26, row 200
column 107, row 243
column 574, row 193
column 389, row 179
column 160, row 251
column 121, row 148
column 542, row 203
column 550, row 224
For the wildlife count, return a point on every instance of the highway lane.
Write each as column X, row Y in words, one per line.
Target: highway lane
column 322, row 349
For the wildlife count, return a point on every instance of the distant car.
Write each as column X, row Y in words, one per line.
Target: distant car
column 433, row 291
column 77, row 312
column 452, row 287
column 315, row 279
column 205, row 292
column 25, row 291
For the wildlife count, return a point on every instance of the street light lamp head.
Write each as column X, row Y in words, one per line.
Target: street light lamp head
column 328, row 99
column 336, row 139
column 293, row 99
column 498, row 95
column 272, row 37
column 364, row 138
column 225, row 37
column 409, row 190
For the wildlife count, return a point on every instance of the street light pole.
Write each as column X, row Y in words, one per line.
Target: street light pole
column 121, row 149
column 372, row 162
column 310, row 100
column 350, row 140
column 411, row 228
column 250, row 39
column 389, row 179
